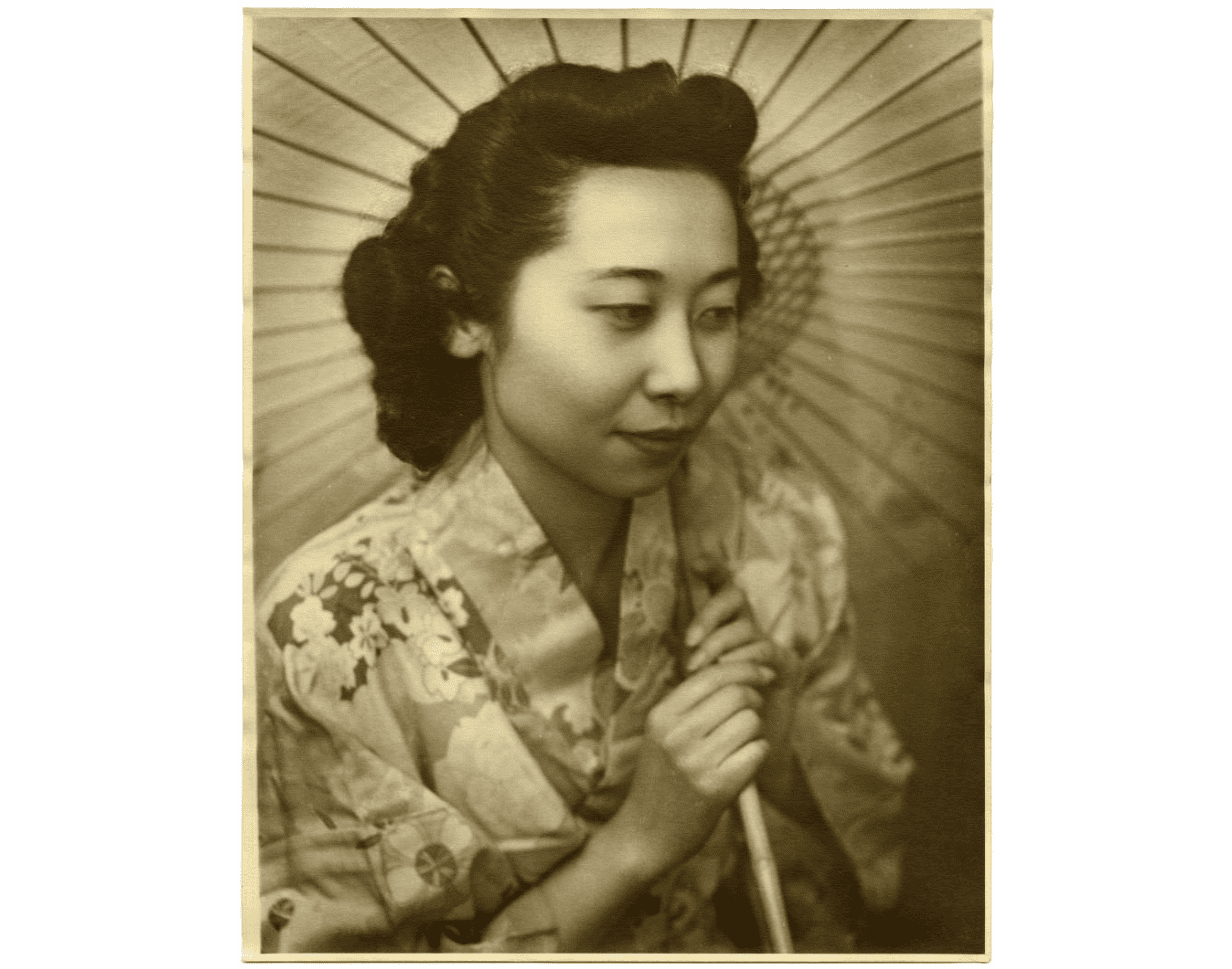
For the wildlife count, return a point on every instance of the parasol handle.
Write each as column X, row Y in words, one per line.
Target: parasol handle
column 765, row 869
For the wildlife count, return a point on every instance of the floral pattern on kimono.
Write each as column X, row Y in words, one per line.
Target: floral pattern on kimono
column 439, row 725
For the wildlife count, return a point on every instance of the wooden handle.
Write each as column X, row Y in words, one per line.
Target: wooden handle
column 765, row 870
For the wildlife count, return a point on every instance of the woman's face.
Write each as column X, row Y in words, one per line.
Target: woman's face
column 621, row 341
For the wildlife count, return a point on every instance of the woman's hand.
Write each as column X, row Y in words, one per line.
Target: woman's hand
column 725, row 631
column 701, row 749
column 704, row 743
column 724, row 628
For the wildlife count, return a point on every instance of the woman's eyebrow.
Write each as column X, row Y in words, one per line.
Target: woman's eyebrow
column 722, row 276
column 654, row 276
column 627, row 272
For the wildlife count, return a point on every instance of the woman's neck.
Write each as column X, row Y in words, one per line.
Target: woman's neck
column 586, row 528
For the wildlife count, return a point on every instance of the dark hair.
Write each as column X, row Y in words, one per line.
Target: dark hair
column 493, row 196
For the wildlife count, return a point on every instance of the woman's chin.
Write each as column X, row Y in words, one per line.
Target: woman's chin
column 638, row 480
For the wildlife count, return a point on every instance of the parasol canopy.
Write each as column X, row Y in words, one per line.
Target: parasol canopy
column 865, row 362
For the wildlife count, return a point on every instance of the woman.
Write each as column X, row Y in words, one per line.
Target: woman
column 490, row 720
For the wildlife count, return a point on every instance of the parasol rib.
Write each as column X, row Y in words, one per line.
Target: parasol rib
column 885, row 102
column 278, row 288
column 744, row 42
column 341, row 98
column 881, row 149
column 976, row 464
column 310, row 436
column 793, row 125
column 970, row 355
column 276, row 509
column 792, row 66
column 486, row 51
column 317, row 393
column 318, row 206
column 684, row 47
column 308, row 364
column 331, row 159
column 891, row 371
column 891, row 182
column 547, row 28
column 945, row 309
column 299, row 250
column 296, row 327
column 909, row 238
column 405, row 62
column 906, row 208
column 906, row 484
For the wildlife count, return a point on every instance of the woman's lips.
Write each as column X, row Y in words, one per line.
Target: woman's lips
column 658, row 443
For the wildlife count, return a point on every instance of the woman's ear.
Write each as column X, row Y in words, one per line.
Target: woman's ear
column 466, row 338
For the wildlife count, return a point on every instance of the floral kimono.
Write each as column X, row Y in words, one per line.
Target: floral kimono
column 430, row 747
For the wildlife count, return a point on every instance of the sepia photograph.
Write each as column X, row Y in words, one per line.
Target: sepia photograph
column 616, row 459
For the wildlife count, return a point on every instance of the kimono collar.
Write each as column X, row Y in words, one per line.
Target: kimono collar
column 476, row 520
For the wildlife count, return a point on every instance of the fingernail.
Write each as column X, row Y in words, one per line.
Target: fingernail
column 767, row 673
column 693, row 636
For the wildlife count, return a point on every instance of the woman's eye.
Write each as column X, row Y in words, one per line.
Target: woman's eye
column 629, row 316
column 717, row 318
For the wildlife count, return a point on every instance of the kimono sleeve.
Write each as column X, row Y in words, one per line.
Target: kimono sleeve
column 792, row 568
column 357, row 852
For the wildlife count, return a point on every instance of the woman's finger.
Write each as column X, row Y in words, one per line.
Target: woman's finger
column 729, row 736
column 713, row 678
column 735, row 773
column 703, row 719
column 736, row 633
column 761, row 651
column 722, row 607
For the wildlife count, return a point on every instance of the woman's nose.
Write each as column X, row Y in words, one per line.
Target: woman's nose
column 673, row 369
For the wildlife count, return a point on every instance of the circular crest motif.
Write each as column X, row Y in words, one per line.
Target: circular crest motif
column 436, row 865
column 280, row 913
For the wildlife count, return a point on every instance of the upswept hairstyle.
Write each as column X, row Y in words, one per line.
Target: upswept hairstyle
column 493, row 196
